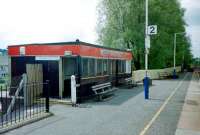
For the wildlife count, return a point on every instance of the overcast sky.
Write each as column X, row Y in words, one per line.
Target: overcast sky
column 34, row 21
column 192, row 17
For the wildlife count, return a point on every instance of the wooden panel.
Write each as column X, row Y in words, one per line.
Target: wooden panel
column 35, row 81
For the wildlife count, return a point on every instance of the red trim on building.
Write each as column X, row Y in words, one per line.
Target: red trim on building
column 59, row 50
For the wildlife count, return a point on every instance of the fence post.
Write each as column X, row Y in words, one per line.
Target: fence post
column 25, row 90
column 2, row 111
column 47, row 96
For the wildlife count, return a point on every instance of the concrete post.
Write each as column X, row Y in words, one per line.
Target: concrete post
column 174, row 71
column 73, row 90
column 61, row 79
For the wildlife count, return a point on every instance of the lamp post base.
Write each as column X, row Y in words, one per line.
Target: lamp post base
column 146, row 87
column 174, row 74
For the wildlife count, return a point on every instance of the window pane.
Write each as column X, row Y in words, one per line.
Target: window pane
column 99, row 67
column 123, row 66
column 105, row 67
column 85, row 67
column 91, row 67
column 109, row 66
column 128, row 66
column 113, row 66
column 119, row 66
column 69, row 66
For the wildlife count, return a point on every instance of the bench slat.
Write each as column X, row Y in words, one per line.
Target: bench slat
column 111, row 90
column 99, row 85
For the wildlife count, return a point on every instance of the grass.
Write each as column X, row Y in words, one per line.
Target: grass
column 3, row 85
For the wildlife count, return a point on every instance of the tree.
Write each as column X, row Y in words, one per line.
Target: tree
column 121, row 25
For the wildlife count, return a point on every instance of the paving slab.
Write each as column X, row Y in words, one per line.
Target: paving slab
column 167, row 120
column 190, row 116
column 186, row 132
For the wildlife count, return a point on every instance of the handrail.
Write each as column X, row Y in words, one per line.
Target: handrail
column 21, row 85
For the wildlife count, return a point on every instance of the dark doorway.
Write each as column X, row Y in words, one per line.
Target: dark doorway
column 69, row 69
column 50, row 72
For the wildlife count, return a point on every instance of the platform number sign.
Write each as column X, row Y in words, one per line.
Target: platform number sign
column 152, row 30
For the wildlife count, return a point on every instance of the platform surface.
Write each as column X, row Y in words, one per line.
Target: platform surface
column 126, row 113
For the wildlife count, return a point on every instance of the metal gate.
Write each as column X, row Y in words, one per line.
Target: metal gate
column 28, row 99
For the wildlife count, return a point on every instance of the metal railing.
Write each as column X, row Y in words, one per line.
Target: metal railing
column 31, row 101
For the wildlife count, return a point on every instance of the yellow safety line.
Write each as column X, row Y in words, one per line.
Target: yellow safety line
column 161, row 108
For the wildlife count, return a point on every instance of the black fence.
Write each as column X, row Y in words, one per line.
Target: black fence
column 19, row 105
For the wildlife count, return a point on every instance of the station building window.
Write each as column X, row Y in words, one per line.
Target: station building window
column 113, row 66
column 92, row 67
column 105, row 67
column 128, row 66
column 99, row 67
column 70, row 67
column 119, row 66
column 110, row 67
column 123, row 66
column 85, row 67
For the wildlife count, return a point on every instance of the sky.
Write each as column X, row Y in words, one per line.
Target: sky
column 42, row 21
column 36, row 21
column 192, row 17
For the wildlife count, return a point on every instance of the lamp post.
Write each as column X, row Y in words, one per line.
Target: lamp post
column 175, row 35
column 147, row 41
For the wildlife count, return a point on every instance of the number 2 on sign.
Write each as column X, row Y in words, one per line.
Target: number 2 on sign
column 152, row 29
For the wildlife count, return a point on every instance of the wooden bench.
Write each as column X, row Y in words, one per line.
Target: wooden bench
column 103, row 89
column 130, row 82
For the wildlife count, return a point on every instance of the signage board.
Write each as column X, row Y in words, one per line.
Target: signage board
column 152, row 30
column 48, row 58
